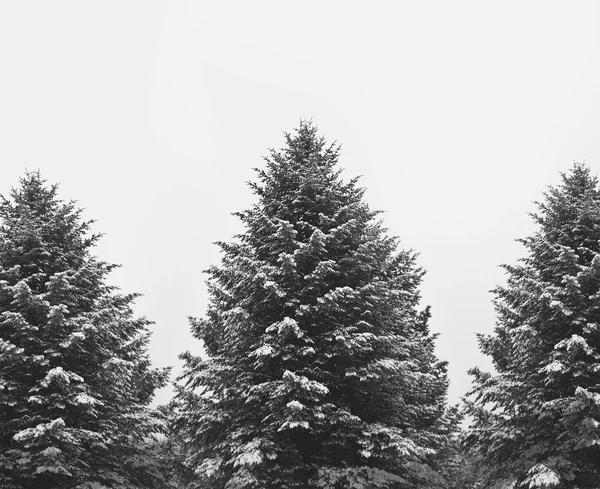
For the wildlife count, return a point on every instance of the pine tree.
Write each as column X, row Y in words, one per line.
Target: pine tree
column 75, row 377
column 321, row 369
column 536, row 419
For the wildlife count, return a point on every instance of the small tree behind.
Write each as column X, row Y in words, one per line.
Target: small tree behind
column 536, row 420
column 75, row 377
column 322, row 371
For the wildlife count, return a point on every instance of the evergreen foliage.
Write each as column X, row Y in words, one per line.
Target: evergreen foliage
column 536, row 420
column 321, row 369
column 460, row 466
column 75, row 377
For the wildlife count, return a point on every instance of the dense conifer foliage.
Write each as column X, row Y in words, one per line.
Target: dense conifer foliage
column 75, row 378
column 536, row 419
column 321, row 369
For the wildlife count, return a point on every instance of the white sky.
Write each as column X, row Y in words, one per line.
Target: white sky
column 153, row 114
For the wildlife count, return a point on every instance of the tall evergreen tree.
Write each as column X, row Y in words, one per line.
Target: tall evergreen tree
column 75, row 377
column 321, row 369
column 536, row 419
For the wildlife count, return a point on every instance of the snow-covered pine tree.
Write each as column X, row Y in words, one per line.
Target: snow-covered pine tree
column 321, row 369
column 536, row 419
column 75, row 377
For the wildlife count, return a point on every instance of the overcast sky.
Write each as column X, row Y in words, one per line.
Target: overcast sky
column 153, row 114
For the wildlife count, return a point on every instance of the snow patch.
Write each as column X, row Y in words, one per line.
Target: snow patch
column 307, row 350
column 303, row 383
column 576, row 343
column 274, row 287
column 53, row 469
column 285, row 327
column 388, row 364
column 78, row 335
column 58, row 374
column 263, row 351
column 51, row 452
column 22, row 290
column 250, row 455
column 541, row 476
column 561, row 307
column 295, row 405
column 590, row 396
column 209, row 467
column 32, row 434
column 290, row 425
column 84, row 399
column 554, row 366
column 58, row 311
